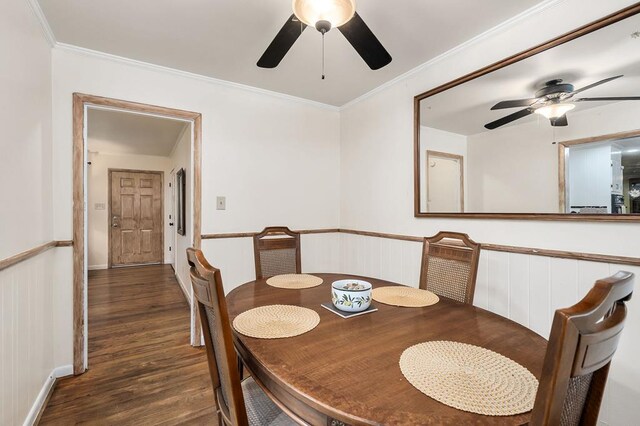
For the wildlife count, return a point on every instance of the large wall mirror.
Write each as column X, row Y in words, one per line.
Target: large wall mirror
column 550, row 133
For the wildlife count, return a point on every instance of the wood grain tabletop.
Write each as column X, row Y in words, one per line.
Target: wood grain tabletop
column 347, row 369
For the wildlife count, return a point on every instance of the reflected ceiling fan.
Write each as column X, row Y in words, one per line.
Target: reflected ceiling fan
column 324, row 15
column 553, row 101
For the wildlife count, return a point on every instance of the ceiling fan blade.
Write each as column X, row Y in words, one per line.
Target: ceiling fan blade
column 612, row 99
column 281, row 44
column 560, row 121
column 509, row 118
column 515, row 103
column 597, row 83
column 365, row 42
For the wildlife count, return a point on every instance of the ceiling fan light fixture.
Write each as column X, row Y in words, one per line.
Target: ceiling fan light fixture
column 555, row 110
column 337, row 12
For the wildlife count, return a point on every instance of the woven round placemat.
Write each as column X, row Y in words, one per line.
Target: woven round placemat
column 294, row 281
column 404, row 296
column 469, row 378
column 276, row 321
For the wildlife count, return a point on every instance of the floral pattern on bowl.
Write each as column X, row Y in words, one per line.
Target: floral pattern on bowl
column 349, row 300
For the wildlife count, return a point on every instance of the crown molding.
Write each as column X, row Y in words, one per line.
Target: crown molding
column 48, row 33
column 535, row 10
column 186, row 74
column 44, row 24
column 49, row 36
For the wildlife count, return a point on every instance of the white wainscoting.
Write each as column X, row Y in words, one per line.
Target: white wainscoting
column 525, row 288
column 234, row 256
column 26, row 342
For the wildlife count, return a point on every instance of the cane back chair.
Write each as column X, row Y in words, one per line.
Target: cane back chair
column 237, row 403
column 450, row 266
column 276, row 251
column 582, row 342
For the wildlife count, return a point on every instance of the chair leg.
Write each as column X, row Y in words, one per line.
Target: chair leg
column 240, row 367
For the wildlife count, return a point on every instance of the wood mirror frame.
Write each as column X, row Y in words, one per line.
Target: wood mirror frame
column 584, row 30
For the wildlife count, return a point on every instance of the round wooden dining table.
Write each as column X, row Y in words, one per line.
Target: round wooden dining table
column 347, row 370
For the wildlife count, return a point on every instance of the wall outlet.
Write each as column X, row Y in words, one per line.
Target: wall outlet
column 221, row 203
column 100, row 206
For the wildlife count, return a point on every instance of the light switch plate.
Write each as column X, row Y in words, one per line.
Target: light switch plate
column 221, row 203
column 100, row 206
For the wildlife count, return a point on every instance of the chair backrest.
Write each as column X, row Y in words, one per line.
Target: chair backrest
column 582, row 342
column 276, row 251
column 216, row 329
column 450, row 265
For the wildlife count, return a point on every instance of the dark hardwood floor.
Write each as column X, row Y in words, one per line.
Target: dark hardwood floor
column 142, row 369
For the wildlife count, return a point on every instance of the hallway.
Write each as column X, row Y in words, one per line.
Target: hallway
column 142, row 369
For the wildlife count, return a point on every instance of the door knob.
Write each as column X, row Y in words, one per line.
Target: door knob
column 114, row 222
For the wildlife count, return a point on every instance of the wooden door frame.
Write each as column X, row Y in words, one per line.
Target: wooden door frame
column 109, row 218
column 80, row 104
column 460, row 159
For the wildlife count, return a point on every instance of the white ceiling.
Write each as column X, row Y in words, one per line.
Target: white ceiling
column 225, row 38
column 607, row 52
column 116, row 132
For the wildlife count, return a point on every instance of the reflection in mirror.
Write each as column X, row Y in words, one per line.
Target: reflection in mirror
column 528, row 138
column 601, row 176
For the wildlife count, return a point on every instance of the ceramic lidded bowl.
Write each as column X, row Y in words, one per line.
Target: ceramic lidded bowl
column 351, row 295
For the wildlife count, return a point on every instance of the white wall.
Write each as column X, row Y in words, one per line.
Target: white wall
column 27, row 309
column 514, row 169
column 98, row 184
column 276, row 160
column 377, row 186
column 439, row 140
column 26, row 131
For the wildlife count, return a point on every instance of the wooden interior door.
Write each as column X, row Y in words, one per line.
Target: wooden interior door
column 136, row 219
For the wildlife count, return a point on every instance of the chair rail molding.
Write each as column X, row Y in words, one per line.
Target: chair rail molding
column 560, row 254
column 32, row 252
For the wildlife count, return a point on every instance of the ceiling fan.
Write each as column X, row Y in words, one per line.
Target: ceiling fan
column 324, row 15
column 553, row 101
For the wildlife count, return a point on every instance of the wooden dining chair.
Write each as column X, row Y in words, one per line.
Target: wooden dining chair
column 276, row 251
column 582, row 342
column 237, row 402
column 450, row 265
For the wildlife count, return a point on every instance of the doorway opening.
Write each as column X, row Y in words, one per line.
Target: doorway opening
column 123, row 195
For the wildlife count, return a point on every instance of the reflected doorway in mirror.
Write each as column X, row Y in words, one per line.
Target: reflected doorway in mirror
column 596, row 174
column 445, row 182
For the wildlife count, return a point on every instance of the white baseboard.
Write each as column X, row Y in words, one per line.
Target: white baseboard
column 95, row 267
column 184, row 289
column 43, row 396
column 63, row 371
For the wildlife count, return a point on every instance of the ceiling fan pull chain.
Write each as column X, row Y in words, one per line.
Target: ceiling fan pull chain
column 323, row 55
